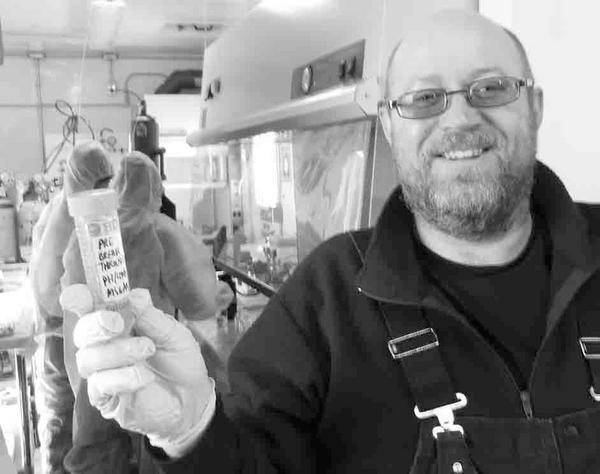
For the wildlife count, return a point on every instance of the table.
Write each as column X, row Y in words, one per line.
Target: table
column 20, row 344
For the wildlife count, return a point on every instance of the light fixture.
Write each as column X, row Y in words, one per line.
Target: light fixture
column 288, row 7
column 112, row 82
column 1, row 47
column 105, row 18
column 264, row 164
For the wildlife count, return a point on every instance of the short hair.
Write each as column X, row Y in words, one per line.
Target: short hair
column 517, row 42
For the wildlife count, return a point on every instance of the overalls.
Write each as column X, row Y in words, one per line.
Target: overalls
column 453, row 444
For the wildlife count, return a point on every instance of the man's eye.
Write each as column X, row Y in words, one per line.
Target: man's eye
column 491, row 87
column 422, row 98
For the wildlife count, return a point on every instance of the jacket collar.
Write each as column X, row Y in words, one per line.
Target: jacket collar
column 392, row 271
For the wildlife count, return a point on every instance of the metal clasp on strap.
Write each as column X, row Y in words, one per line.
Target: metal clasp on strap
column 428, row 335
column 590, row 348
column 594, row 395
column 587, row 347
column 445, row 415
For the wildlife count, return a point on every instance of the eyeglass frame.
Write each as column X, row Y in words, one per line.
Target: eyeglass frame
column 393, row 103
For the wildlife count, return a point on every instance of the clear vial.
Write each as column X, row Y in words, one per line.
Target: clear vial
column 99, row 236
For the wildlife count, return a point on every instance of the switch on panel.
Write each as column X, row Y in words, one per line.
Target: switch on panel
column 350, row 71
column 342, row 70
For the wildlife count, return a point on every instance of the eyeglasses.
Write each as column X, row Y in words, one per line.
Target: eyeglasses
column 487, row 92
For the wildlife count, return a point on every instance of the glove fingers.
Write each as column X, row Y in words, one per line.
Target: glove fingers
column 149, row 321
column 97, row 327
column 104, row 387
column 77, row 299
column 113, row 354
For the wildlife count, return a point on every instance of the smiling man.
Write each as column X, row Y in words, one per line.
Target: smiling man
column 463, row 129
column 459, row 335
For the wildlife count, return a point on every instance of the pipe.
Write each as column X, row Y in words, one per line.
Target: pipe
column 138, row 74
column 51, row 106
column 16, row 52
column 40, row 108
column 180, row 79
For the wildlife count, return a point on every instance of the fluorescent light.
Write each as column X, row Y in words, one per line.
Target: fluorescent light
column 288, row 6
column 264, row 163
column 105, row 18
column 1, row 47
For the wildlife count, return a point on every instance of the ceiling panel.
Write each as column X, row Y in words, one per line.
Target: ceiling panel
column 35, row 15
column 147, row 27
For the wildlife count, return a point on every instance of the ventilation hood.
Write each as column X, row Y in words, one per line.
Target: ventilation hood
column 302, row 63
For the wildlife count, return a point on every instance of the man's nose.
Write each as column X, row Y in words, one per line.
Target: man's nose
column 459, row 112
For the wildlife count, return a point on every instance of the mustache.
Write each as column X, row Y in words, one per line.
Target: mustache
column 461, row 140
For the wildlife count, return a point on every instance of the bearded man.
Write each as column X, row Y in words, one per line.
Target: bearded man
column 459, row 335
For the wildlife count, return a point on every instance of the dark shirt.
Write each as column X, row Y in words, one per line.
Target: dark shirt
column 507, row 304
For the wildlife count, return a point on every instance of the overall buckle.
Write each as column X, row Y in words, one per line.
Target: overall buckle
column 406, row 345
column 445, row 415
column 590, row 347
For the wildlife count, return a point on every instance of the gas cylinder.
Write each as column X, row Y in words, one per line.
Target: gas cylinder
column 27, row 216
column 9, row 251
column 144, row 132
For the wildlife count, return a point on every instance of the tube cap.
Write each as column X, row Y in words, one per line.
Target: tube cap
column 96, row 202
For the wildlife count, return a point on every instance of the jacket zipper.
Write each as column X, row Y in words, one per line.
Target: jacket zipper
column 560, row 307
column 523, row 395
column 526, row 402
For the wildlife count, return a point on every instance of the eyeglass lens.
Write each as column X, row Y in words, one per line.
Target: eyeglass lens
column 493, row 91
column 487, row 92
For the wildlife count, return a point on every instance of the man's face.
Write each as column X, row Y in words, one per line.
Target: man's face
column 464, row 171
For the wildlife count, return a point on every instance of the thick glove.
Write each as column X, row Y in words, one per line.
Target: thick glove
column 155, row 383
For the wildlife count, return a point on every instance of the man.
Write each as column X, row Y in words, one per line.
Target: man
column 87, row 167
column 446, row 339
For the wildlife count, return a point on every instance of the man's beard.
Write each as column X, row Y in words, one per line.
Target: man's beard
column 476, row 204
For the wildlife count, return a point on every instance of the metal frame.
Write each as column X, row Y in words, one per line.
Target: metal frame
column 412, row 335
column 340, row 104
column 258, row 285
column 583, row 341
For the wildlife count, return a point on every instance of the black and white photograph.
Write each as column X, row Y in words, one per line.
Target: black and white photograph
column 299, row 237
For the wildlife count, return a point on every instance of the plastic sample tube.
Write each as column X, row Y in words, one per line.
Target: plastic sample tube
column 99, row 236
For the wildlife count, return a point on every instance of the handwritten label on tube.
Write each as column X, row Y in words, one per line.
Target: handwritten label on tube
column 109, row 259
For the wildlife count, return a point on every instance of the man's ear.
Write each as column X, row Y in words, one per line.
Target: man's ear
column 538, row 106
column 386, row 122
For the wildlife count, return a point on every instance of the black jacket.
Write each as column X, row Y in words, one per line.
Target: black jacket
column 315, row 388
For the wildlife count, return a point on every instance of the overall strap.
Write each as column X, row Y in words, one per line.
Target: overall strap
column 589, row 342
column 415, row 345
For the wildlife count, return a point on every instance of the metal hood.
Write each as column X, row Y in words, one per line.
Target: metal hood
column 251, row 71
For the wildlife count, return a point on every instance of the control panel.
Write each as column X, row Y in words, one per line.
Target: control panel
column 340, row 67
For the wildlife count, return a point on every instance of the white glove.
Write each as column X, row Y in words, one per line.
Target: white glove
column 155, row 384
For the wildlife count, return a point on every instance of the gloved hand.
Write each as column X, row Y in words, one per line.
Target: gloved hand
column 155, row 383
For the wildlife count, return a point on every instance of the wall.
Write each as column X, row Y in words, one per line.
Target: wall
column 560, row 37
column 73, row 81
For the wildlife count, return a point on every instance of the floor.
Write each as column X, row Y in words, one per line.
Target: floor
column 10, row 421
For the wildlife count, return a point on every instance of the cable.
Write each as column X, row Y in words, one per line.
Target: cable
column 70, row 129
column 130, row 92
column 71, row 125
